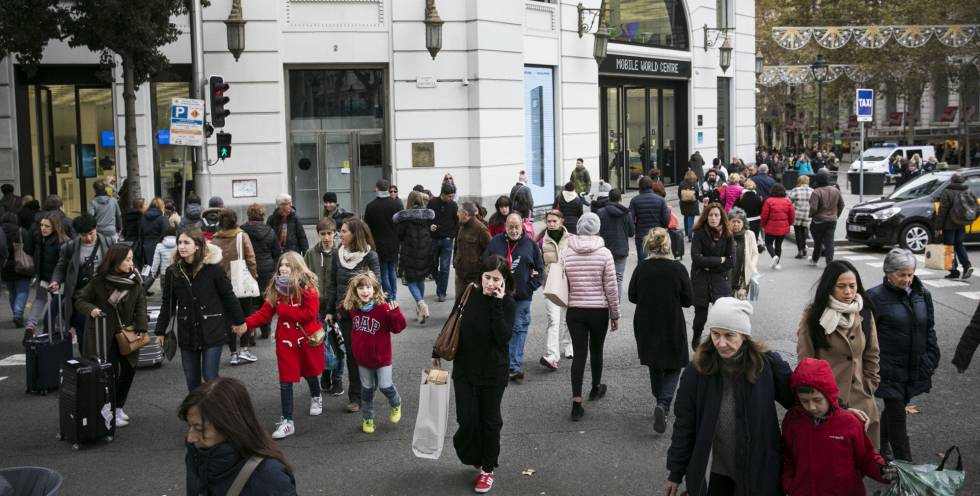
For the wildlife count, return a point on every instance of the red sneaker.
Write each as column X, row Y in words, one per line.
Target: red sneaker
column 483, row 483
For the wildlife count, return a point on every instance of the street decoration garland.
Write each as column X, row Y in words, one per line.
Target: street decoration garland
column 912, row 36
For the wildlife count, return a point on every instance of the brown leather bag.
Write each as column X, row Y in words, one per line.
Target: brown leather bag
column 128, row 339
column 315, row 339
column 448, row 340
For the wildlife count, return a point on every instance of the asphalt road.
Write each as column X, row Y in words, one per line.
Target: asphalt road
column 613, row 450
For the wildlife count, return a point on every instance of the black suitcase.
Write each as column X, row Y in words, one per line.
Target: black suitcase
column 46, row 352
column 87, row 399
column 677, row 243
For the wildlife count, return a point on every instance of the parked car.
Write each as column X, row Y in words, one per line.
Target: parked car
column 877, row 159
column 905, row 217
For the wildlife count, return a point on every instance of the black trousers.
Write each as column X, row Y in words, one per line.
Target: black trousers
column 125, row 373
column 801, row 233
column 721, row 485
column 353, row 376
column 774, row 245
column 700, row 317
column 477, row 441
column 823, row 240
column 893, row 429
column 247, row 339
column 588, row 328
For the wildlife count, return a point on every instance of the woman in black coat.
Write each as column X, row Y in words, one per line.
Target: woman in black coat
column 660, row 288
column 571, row 206
column 44, row 246
column 481, row 368
column 18, row 285
column 196, row 290
column 131, row 221
column 265, row 245
column 219, row 446
column 737, row 432
column 751, row 202
column 152, row 226
column 415, row 263
column 909, row 351
column 712, row 259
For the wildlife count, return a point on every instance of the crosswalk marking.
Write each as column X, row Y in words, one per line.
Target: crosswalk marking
column 944, row 283
column 923, row 272
column 860, row 257
column 3, row 378
column 973, row 295
column 14, row 360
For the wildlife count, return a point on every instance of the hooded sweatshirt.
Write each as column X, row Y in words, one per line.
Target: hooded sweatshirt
column 828, row 456
column 192, row 217
column 107, row 214
column 163, row 256
column 616, row 228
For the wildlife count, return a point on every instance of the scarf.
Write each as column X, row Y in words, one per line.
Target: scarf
column 350, row 259
column 840, row 315
column 283, row 234
column 556, row 234
column 282, row 285
column 368, row 307
column 714, row 232
column 127, row 282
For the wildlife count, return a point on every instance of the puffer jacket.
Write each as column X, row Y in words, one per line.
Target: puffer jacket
column 163, row 256
column 649, row 210
column 550, row 251
column 265, row 246
column 730, row 195
column 616, row 227
column 778, row 215
column 571, row 207
column 213, row 471
column 591, row 275
column 412, row 228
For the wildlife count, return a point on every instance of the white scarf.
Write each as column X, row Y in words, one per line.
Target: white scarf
column 838, row 314
column 350, row 259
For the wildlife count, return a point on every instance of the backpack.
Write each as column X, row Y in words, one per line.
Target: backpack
column 964, row 209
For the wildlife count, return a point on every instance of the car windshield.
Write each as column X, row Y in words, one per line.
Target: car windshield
column 874, row 156
column 918, row 187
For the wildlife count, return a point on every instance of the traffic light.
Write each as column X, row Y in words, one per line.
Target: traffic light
column 224, row 145
column 218, row 100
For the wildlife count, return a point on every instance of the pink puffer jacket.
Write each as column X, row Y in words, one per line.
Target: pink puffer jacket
column 591, row 275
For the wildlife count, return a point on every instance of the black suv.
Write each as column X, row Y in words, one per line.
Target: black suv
column 905, row 217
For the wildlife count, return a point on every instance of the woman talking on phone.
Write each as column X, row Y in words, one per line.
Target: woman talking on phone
column 481, row 369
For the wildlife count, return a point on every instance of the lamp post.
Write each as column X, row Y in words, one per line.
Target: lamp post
column 600, row 49
column 820, row 70
column 433, row 29
column 235, row 25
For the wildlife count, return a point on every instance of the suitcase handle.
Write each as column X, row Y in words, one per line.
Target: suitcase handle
column 101, row 338
column 51, row 318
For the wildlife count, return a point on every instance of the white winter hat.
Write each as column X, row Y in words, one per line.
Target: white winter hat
column 730, row 314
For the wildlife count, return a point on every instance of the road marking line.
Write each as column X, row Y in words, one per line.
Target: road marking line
column 14, row 360
column 860, row 257
column 925, row 272
column 943, row 283
column 973, row 295
column 875, row 264
column 3, row 378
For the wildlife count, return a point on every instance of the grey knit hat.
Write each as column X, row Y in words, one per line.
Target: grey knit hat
column 730, row 314
column 604, row 189
column 588, row 224
column 898, row 259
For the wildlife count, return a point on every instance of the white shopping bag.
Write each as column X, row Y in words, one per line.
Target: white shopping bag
column 432, row 419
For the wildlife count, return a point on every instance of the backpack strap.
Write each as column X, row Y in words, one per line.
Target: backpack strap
column 242, row 478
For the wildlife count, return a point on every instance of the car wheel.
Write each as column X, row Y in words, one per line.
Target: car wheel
column 915, row 237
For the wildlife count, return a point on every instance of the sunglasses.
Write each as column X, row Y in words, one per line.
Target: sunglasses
column 395, row 191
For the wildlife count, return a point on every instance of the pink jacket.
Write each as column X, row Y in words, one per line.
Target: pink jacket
column 591, row 275
column 731, row 194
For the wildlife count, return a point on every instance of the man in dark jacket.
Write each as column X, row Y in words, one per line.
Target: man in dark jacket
column 9, row 202
column 286, row 224
column 521, row 198
column 333, row 210
column 471, row 241
column 763, row 182
column 527, row 267
column 28, row 211
column 378, row 215
column 77, row 264
column 649, row 210
column 616, row 227
column 952, row 232
column 826, row 206
column 209, row 217
column 444, row 228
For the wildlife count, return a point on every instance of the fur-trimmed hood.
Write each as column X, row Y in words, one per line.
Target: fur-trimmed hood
column 410, row 214
column 212, row 255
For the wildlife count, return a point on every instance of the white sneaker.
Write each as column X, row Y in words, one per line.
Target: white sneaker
column 284, row 428
column 234, row 359
column 121, row 414
column 774, row 263
column 778, row 267
column 248, row 356
column 813, row 263
column 316, row 405
column 121, row 422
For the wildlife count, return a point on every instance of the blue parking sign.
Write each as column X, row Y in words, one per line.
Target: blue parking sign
column 864, row 104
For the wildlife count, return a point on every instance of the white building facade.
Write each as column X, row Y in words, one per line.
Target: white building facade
column 330, row 95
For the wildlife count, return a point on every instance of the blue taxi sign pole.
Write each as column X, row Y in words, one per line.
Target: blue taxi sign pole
column 864, row 107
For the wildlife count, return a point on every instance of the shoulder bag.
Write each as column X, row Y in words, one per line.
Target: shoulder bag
column 244, row 475
column 23, row 263
column 315, row 339
column 448, row 340
column 556, row 286
column 170, row 341
column 128, row 339
column 242, row 282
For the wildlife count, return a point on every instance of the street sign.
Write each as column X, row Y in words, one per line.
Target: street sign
column 864, row 104
column 186, row 122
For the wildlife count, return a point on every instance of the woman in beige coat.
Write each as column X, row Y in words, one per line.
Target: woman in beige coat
column 552, row 240
column 227, row 239
column 839, row 327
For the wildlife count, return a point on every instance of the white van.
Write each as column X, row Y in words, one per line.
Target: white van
column 876, row 159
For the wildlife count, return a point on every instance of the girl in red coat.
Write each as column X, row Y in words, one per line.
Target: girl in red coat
column 778, row 215
column 293, row 296
column 373, row 321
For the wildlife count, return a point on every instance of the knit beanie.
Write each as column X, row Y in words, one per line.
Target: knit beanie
column 730, row 314
column 604, row 189
column 588, row 224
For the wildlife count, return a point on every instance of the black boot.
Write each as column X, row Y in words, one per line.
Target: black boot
column 577, row 411
column 597, row 392
column 266, row 331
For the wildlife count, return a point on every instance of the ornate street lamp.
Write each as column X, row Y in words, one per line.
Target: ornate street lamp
column 821, row 72
column 725, row 55
column 725, row 50
column 759, row 62
column 433, row 29
column 601, row 47
column 235, row 25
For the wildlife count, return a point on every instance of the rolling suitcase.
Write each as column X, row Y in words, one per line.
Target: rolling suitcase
column 47, row 351
column 87, row 399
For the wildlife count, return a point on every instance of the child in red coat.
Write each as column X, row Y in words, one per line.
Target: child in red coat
column 827, row 452
column 373, row 321
column 293, row 296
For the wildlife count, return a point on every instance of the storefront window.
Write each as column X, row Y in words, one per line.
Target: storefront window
column 539, row 124
column 336, row 99
column 174, row 162
column 657, row 23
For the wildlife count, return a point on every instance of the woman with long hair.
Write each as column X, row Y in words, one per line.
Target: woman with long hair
column 731, row 374
column 44, row 245
column 115, row 295
column 356, row 254
column 294, row 297
column 223, row 434
column 712, row 259
column 839, row 326
column 552, row 240
column 498, row 221
column 152, row 226
column 197, row 293
column 412, row 228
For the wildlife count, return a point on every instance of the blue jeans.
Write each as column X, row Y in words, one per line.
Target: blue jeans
column 620, row 264
column 372, row 379
column 200, row 362
column 664, row 383
column 955, row 238
column 389, row 278
column 641, row 254
column 337, row 374
column 442, row 257
column 286, row 395
column 522, row 320
column 19, row 290
column 688, row 225
column 417, row 288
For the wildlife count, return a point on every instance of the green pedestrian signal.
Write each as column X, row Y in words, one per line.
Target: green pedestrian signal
column 224, row 145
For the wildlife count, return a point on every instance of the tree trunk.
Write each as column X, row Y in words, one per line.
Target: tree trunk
column 132, row 153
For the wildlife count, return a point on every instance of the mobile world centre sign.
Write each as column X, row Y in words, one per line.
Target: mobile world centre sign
column 627, row 65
